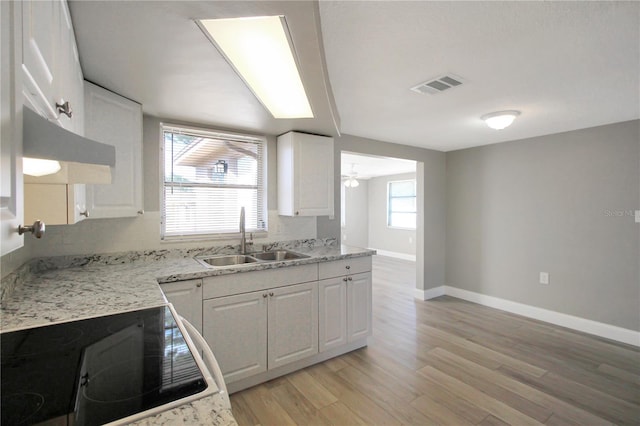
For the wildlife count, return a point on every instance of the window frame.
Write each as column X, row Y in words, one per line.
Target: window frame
column 389, row 197
column 212, row 132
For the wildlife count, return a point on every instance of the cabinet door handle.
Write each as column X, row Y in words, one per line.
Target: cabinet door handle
column 37, row 229
column 344, row 279
column 264, row 295
column 199, row 285
column 348, row 267
column 350, row 279
column 63, row 107
column 85, row 213
column 271, row 294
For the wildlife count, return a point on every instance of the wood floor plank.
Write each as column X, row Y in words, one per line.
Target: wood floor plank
column 489, row 353
column 619, row 373
column 317, row 394
column 464, row 371
column 384, row 397
column 476, row 397
column 265, row 407
column 355, row 400
column 438, row 413
column 297, row 406
column 340, row 415
column 553, row 404
column 447, row 361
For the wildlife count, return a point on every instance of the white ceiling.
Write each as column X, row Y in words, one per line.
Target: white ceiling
column 153, row 53
column 565, row 65
column 368, row 166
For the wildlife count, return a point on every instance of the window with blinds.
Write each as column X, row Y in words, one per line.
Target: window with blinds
column 208, row 177
column 401, row 207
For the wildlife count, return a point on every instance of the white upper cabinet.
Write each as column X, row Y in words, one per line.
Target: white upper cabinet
column 305, row 175
column 117, row 121
column 51, row 70
column 11, row 202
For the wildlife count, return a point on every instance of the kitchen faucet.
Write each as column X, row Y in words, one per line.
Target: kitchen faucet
column 243, row 234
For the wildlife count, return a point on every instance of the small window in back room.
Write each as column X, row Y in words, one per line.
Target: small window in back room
column 208, row 177
column 401, row 205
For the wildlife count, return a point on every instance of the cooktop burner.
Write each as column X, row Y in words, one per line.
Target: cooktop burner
column 20, row 407
column 94, row 371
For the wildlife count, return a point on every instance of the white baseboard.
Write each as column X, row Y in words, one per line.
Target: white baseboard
column 596, row 328
column 395, row 254
column 429, row 293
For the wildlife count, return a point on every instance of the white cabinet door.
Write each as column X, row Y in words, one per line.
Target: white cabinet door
column 41, row 37
column 305, row 175
column 11, row 188
column 332, row 315
column 293, row 323
column 69, row 77
column 235, row 328
column 54, row 204
column 117, row 121
column 359, row 306
column 186, row 297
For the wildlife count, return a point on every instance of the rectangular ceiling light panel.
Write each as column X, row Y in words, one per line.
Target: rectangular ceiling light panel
column 259, row 50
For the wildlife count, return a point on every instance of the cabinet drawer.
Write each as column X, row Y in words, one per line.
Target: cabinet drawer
column 344, row 267
column 244, row 282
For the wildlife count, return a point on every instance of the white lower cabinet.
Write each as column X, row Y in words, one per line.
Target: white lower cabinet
column 263, row 324
column 345, row 302
column 186, row 298
column 359, row 306
column 333, row 313
column 293, row 323
column 235, row 327
column 253, row 332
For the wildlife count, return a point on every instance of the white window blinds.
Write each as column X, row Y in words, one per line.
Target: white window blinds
column 208, row 177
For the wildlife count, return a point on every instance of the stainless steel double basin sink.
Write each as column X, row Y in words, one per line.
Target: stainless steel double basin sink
column 226, row 260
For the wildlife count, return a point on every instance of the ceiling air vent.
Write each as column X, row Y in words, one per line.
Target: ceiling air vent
column 438, row 85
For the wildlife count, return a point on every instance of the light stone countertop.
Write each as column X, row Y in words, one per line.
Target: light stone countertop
column 61, row 289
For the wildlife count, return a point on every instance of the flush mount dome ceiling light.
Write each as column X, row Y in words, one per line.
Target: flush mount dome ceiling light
column 501, row 119
column 259, row 49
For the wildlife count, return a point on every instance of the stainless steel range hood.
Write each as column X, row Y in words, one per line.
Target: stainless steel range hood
column 82, row 160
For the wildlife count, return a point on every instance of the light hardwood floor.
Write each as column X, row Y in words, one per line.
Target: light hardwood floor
column 451, row 362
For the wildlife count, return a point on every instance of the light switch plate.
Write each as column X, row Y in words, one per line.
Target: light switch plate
column 544, row 278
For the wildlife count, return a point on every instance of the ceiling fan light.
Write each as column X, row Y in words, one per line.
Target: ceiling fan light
column 501, row 119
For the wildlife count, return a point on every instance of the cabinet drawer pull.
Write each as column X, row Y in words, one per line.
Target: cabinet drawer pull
column 344, row 279
column 199, row 285
column 84, row 213
column 350, row 279
column 264, row 295
column 348, row 267
column 271, row 294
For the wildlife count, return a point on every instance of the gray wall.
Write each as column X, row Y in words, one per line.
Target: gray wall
column 430, row 172
column 382, row 237
column 356, row 229
column 561, row 204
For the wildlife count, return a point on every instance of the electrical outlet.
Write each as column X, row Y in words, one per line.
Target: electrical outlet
column 544, row 278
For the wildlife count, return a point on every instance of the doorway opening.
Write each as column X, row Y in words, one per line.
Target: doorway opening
column 380, row 208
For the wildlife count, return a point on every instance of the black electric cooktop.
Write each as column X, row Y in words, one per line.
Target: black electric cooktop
column 94, row 371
